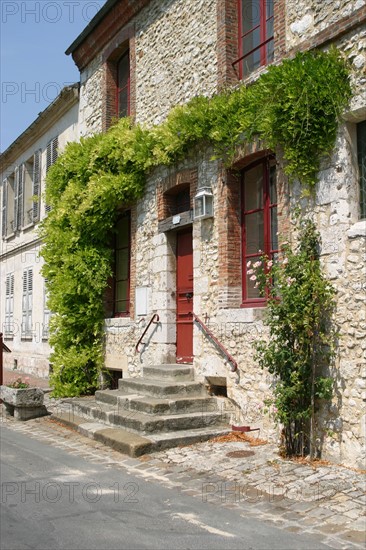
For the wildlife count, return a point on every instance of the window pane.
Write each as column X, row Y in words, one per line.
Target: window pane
column 121, row 296
column 269, row 6
column 270, row 51
column 254, row 232
column 122, row 264
column 269, row 28
column 253, row 188
column 123, row 103
column 123, row 70
column 123, row 75
column 123, row 232
column 250, row 14
column 252, row 291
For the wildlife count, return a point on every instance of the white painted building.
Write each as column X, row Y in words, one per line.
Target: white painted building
column 24, row 314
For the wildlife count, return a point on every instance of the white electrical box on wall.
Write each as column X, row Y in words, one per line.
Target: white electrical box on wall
column 142, row 293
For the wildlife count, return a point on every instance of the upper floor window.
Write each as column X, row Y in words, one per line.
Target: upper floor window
column 256, row 44
column 361, row 157
column 21, row 192
column 259, row 221
column 123, row 85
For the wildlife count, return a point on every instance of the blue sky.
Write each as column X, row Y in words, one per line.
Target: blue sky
column 33, row 66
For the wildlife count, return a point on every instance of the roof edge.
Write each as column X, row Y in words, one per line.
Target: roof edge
column 91, row 26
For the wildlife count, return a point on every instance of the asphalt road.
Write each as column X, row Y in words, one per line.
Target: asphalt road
column 53, row 500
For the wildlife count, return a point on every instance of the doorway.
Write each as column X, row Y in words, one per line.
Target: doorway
column 184, row 353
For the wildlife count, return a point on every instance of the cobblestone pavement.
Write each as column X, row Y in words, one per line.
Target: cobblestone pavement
column 327, row 500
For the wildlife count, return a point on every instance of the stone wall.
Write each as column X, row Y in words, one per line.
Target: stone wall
column 177, row 38
column 306, row 18
column 175, row 60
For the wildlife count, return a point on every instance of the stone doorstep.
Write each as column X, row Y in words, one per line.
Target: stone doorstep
column 173, row 372
column 158, row 388
column 133, row 444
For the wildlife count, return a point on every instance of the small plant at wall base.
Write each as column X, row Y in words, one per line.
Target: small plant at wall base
column 19, row 383
column 300, row 347
column 296, row 105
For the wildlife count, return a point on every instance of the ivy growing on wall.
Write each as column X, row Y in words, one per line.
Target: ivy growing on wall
column 295, row 105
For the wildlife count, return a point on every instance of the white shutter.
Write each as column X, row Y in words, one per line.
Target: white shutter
column 51, row 152
column 19, row 216
column 36, row 184
column 16, row 187
column 51, row 157
column 27, row 302
column 9, row 303
column 4, row 209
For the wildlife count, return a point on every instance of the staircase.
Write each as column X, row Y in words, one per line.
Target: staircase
column 165, row 408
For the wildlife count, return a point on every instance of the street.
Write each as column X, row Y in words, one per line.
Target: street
column 53, row 500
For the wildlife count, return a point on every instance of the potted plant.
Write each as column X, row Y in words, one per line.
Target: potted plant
column 22, row 401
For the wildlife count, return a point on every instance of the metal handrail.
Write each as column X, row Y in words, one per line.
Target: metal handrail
column 234, row 364
column 154, row 319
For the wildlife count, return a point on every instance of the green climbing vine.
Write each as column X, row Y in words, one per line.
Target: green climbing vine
column 295, row 105
column 302, row 337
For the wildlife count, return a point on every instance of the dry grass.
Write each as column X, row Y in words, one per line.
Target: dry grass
column 239, row 436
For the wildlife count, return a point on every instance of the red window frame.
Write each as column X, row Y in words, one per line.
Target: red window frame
column 269, row 237
column 117, row 280
column 265, row 47
column 123, row 84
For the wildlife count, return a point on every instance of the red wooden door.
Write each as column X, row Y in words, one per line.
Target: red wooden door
column 184, row 297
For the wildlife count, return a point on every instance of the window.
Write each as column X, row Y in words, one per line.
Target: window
column 256, row 45
column 122, row 266
column 27, row 303
column 21, row 192
column 9, row 304
column 123, row 85
column 361, row 157
column 259, row 221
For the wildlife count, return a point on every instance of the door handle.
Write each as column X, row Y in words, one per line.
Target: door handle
column 189, row 295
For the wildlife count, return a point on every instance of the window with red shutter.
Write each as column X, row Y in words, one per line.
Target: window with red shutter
column 256, row 44
column 259, row 222
column 123, row 85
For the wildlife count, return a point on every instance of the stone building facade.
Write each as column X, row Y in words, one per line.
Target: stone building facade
column 142, row 57
column 181, row 48
column 24, row 313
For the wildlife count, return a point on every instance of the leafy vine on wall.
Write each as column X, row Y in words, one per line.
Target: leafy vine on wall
column 296, row 105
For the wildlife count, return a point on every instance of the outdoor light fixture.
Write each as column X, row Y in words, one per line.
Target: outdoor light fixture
column 203, row 204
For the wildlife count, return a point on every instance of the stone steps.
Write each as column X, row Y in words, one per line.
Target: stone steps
column 143, row 422
column 156, row 405
column 160, row 388
column 133, row 444
column 163, row 409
